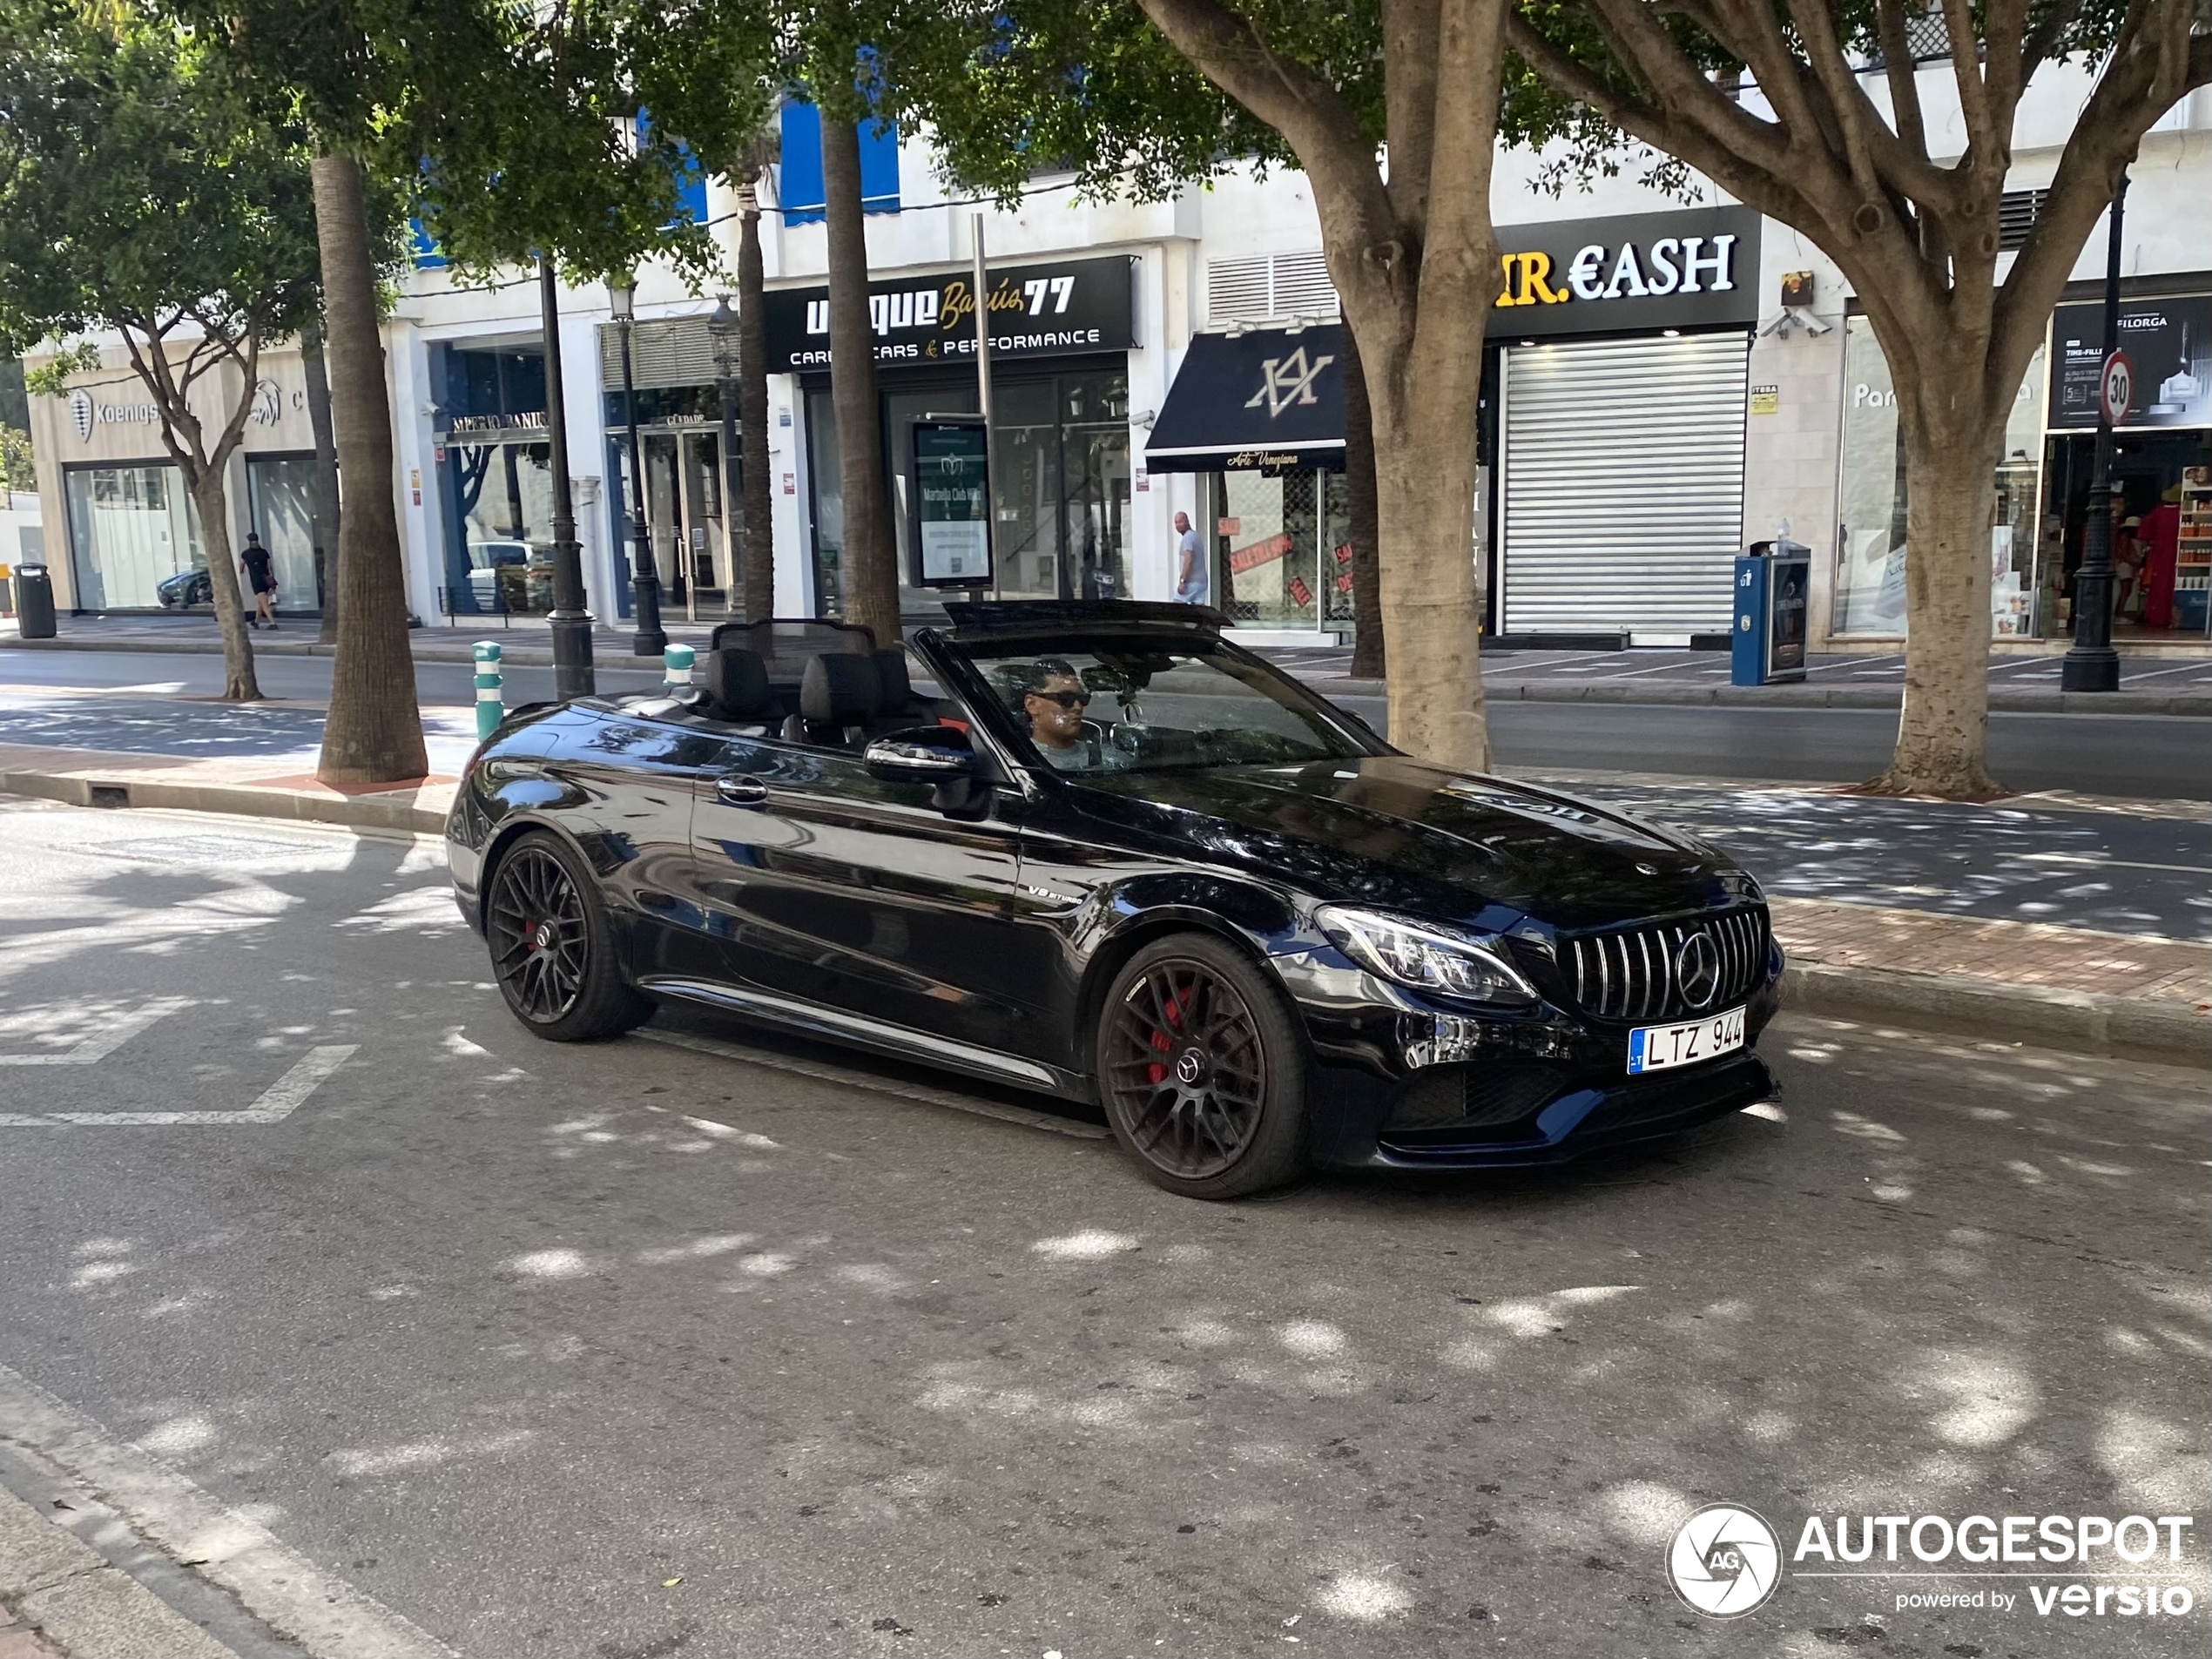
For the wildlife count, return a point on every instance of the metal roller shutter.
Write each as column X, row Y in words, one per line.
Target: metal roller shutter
column 1623, row 485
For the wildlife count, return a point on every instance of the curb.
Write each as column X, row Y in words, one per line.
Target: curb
column 123, row 789
column 2198, row 705
column 64, row 1592
column 2170, row 1033
column 1802, row 697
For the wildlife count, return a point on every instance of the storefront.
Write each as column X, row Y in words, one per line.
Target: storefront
column 679, row 434
column 1621, row 385
column 2042, row 477
column 122, row 525
column 1259, row 417
column 494, row 461
column 1061, row 461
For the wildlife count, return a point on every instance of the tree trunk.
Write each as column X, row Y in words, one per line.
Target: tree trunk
column 1423, row 404
column 752, row 419
column 212, row 502
column 327, row 507
column 871, row 559
column 1943, row 730
column 373, row 734
column 1369, row 658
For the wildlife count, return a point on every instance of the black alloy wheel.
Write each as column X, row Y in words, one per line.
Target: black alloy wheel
column 552, row 950
column 1202, row 1070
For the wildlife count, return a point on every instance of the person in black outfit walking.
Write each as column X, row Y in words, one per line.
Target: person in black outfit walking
column 253, row 559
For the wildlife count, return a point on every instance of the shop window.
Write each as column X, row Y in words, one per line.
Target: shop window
column 281, row 496
column 502, row 494
column 1281, row 545
column 1869, row 597
column 130, row 529
column 798, row 179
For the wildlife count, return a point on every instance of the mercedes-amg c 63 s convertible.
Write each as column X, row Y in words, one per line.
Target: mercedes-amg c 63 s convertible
column 1098, row 851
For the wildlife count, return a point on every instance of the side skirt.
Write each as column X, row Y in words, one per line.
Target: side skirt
column 878, row 1036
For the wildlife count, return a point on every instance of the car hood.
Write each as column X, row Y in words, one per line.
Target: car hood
column 1402, row 834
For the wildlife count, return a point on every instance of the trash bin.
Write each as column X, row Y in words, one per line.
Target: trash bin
column 34, row 602
column 1768, row 642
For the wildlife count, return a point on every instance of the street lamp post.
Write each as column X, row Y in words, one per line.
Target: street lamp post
column 722, row 326
column 651, row 639
column 2091, row 663
column 570, row 621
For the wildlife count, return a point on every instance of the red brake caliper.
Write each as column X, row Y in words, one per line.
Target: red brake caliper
column 1157, row 1072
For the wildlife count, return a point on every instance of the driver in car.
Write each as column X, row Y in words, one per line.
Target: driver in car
column 1054, row 706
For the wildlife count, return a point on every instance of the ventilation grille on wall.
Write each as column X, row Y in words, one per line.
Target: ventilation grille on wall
column 2017, row 212
column 666, row 351
column 1269, row 287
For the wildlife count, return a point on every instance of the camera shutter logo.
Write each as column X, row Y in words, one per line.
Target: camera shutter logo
column 1724, row 1561
column 1697, row 969
column 80, row 413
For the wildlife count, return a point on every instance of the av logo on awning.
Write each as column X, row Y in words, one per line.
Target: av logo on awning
column 1285, row 382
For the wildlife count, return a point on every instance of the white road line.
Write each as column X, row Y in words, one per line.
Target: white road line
column 324, row 1614
column 277, row 1101
column 945, row 1097
column 101, row 1044
column 2153, row 673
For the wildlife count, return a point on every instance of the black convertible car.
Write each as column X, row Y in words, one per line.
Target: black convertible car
column 1101, row 851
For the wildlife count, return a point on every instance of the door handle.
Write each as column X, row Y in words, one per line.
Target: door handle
column 738, row 789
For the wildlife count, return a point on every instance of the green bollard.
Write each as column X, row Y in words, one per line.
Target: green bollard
column 679, row 659
column 489, row 710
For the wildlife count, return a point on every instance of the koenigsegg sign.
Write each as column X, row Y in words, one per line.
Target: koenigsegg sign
column 1695, row 269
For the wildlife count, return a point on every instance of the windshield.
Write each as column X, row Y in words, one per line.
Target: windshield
column 1094, row 705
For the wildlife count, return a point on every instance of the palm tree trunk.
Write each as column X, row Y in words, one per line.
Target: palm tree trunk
column 1369, row 660
column 327, row 508
column 871, row 562
column 373, row 734
column 752, row 415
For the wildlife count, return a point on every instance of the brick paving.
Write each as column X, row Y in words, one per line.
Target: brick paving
column 2013, row 953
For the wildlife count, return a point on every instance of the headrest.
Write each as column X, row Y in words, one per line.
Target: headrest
column 738, row 681
column 897, row 690
column 838, row 687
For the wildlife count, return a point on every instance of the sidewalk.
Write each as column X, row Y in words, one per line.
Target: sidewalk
column 2172, row 678
column 2092, row 989
column 61, row 1598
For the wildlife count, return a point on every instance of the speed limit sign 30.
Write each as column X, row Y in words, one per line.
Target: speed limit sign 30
column 2117, row 387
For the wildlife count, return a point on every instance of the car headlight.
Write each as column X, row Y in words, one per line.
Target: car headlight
column 1424, row 956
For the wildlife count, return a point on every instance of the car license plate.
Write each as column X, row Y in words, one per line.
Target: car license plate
column 1655, row 1048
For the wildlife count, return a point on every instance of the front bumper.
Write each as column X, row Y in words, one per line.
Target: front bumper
column 1540, row 1086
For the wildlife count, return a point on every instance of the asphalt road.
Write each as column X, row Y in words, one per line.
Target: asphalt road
column 636, row 1350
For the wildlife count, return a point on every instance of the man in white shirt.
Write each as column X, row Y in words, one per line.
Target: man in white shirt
column 1190, row 563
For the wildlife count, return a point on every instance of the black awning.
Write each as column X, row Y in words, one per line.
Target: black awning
column 1271, row 399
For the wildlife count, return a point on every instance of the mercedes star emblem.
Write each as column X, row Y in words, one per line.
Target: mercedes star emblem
column 1697, row 969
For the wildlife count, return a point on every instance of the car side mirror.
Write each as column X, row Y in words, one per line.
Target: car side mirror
column 925, row 754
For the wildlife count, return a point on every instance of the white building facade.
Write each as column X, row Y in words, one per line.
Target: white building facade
column 1667, row 380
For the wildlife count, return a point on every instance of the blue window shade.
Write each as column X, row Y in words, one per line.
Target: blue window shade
column 800, row 184
column 427, row 257
column 690, row 183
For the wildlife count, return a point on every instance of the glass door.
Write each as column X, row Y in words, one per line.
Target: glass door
column 1095, row 485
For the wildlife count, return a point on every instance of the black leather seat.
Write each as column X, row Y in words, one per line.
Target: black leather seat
column 897, row 708
column 838, row 696
column 738, row 689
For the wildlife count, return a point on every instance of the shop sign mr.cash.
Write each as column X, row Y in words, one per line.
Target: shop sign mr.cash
column 1637, row 272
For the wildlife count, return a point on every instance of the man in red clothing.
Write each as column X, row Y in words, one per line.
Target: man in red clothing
column 2161, row 542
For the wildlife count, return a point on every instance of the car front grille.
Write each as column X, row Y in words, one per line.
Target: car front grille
column 1635, row 974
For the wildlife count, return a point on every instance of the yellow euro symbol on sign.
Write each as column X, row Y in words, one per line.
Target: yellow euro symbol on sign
column 1525, row 280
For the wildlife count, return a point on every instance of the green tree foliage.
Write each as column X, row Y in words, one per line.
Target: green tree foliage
column 144, row 197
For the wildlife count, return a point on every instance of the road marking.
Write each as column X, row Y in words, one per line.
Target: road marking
column 945, row 1097
column 277, row 1101
column 101, row 1044
column 322, row 1613
column 2111, row 864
